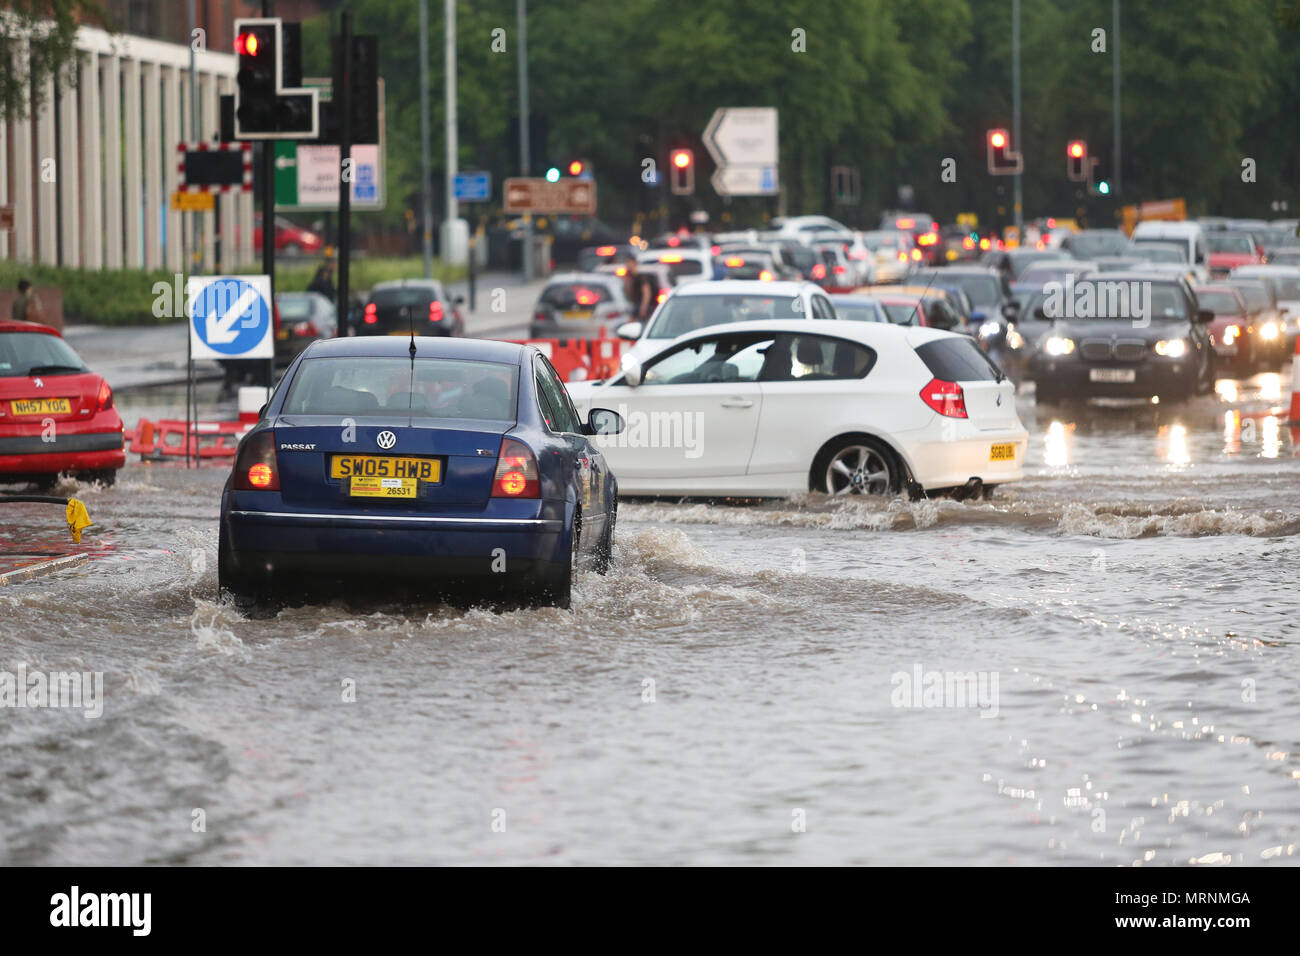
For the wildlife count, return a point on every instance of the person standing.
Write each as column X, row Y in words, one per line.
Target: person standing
column 641, row 290
column 27, row 308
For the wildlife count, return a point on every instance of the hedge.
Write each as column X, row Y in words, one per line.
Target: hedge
column 127, row 296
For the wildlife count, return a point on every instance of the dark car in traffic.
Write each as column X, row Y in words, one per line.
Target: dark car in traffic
column 1124, row 335
column 463, row 463
column 304, row 317
column 406, row 306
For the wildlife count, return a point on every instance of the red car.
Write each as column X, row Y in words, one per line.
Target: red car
column 1229, row 250
column 56, row 415
column 1231, row 333
column 290, row 239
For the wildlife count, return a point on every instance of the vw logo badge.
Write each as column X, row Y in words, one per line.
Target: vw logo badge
column 386, row 440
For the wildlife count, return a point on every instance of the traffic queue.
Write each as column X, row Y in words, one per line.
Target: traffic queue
column 807, row 357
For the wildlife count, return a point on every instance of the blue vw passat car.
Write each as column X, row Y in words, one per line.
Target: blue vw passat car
column 438, row 462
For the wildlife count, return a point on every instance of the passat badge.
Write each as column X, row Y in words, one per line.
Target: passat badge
column 386, row 440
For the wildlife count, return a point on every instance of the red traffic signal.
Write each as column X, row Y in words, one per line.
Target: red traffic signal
column 1076, row 156
column 682, row 172
column 246, row 44
column 576, row 167
column 682, row 158
column 1002, row 160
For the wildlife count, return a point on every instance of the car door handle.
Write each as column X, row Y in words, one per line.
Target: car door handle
column 737, row 403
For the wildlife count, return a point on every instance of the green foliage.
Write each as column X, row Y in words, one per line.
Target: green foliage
column 48, row 28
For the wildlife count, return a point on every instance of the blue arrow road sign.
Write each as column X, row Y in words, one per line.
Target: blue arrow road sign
column 230, row 317
column 473, row 187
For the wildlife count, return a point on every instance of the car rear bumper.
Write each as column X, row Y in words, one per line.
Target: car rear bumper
column 282, row 540
column 951, row 463
column 90, row 451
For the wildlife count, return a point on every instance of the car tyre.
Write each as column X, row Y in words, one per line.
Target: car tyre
column 556, row 589
column 605, row 549
column 856, row 466
column 229, row 580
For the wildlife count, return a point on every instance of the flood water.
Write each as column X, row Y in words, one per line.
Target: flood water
column 765, row 684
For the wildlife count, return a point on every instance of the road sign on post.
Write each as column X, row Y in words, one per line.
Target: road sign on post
column 571, row 197
column 215, row 167
column 745, row 144
column 306, row 174
column 230, row 317
column 474, row 186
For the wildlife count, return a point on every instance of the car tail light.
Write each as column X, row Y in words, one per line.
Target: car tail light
column 255, row 465
column 733, row 262
column 516, row 474
column 307, row 330
column 840, row 270
column 606, row 250
column 819, row 271
column 946, row 398
column 905, row 223
column 435, row 311
column 902, row 257
column 765, row 276
column 104, row 400
column 661, row 296
column 585, row 296
column 715, row 249
column 540, row 315
column 371, row 316
column 916, row 254
column 621, row 271
column 674, row 241
column 672, row 258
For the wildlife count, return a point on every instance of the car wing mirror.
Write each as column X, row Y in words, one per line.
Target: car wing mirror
column 1204, row 316
column 604, row 421
column 632, row 371
column 630, row 331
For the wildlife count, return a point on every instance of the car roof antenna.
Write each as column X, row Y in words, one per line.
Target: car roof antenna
column 410, row 389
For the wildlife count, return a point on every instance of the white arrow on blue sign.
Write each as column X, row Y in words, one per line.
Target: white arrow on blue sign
column 230, row 317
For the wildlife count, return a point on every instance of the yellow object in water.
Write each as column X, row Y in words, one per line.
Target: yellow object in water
column 78, row 519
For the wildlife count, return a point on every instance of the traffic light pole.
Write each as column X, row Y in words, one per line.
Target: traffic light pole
column 268, row 226
column 1015, row 115
column 521, row 16
column 345, row 157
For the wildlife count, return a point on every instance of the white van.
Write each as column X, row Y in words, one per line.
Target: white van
column 1190, row 235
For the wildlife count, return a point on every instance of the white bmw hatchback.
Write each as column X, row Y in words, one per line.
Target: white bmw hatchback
column 771, row 408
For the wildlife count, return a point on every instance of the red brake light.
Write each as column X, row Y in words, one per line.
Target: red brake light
column 906, row 222
column 839, row 270
column 516, row 474
column 104, row 400
column 946, row 398
column 672, row 258
column 674, row 241
column 435, row 311
column 306, row 330
column 733, row 262
column 714, row 250
column 585, row 296
column 606, row 250
column 819, row 271
column 255, row 465
column 765, row 276
column 371, row 317
column 661, row 296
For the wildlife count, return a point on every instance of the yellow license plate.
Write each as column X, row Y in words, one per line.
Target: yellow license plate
column 1003, row 452
column 577, row 313
column 41, row 406
column 282, row 335
column 407, row 333
column 382, row 487
column 382, row 466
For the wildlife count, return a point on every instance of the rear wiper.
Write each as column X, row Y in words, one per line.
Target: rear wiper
column 50, row 369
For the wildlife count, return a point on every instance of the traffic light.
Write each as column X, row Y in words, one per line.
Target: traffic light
column 363, row 89
column 263, row 107
column 1095, row 187
column 1076, row 160
column 576, row 167
column 553, row 175
column 682, row 171
column 1002, row 160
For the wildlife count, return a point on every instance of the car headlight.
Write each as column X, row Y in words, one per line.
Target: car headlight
column 1014, row 339
column 1230, row 334
column 1056, row 345
column 1172, row 348
column 989, row 329
column 1268, row 331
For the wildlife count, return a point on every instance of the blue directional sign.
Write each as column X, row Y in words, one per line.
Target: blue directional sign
column 366, row 188
column 230, row 317
column 473, row 187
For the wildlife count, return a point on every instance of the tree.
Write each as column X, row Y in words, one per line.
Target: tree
column 48, row 29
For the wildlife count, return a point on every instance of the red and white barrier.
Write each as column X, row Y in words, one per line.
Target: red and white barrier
column 1295, row 387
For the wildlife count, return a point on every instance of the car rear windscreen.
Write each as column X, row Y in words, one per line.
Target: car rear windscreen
column 686, row 313
column 686, row 267
column 957, row 360
column 22, row 351
column 408, row 297
column 576, row 295
column 294, row 306
column 436, row 388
